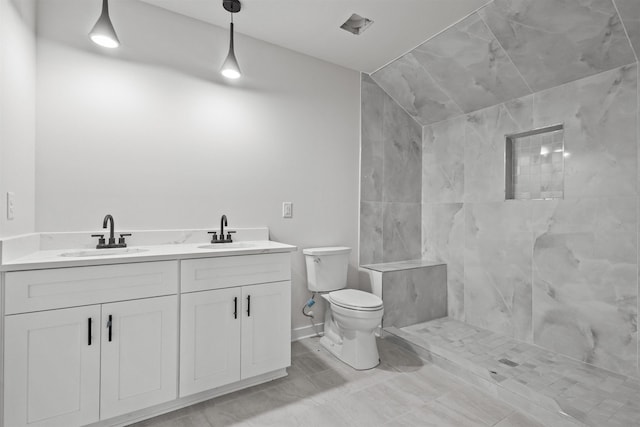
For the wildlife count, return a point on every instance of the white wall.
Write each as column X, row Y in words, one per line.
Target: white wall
column 151, row 134
column 17, row 114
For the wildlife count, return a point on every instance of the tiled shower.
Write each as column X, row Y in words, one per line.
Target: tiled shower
column 560, row 272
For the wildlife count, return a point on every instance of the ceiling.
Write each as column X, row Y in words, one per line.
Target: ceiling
column 312, row 26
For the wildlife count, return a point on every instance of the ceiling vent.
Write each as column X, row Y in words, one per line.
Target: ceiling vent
column 356, row 24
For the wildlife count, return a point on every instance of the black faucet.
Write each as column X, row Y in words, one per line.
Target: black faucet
column 223, row 222
column 105, row 221
column 215, row 239
column 112, row 240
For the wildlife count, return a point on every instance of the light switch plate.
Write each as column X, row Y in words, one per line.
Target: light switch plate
column 287, row 209
column 11, row 205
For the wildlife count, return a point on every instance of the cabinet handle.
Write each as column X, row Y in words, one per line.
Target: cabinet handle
column 109, row 324
column 89, row 335
column 248, row 305
column 235, row 307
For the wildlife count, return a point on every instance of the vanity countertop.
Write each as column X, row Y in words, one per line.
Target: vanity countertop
column 74, row 257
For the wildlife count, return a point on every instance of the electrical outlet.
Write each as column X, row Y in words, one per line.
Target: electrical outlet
column 11, row 205
column 287, row 210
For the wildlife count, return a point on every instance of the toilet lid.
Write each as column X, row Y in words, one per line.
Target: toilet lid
column 355, row 299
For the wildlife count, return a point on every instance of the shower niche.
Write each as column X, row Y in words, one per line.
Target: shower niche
column 534, row 164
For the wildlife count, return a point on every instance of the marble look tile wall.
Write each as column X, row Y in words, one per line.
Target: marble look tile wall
column 585, row 280
column 470, row 66
column 401, row 225
column 485, row 147
column 443, row 228
column 402, row 158
column 406, row 81
column 391, row 184
column 414, row 296
column 508, row 49
column 564, row 273
column 497, row 267
column 371, row 232
column 630, row 13
column 372, row 147
column 557, row 41
column 443, row 162
column 599, row 116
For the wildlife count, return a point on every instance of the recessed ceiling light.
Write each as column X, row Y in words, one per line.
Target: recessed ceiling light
column 356, row 24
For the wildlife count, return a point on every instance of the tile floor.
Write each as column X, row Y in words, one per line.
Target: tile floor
column 593, row 396
column 321, row 391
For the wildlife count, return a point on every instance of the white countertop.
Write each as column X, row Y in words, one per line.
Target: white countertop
column 60, row 258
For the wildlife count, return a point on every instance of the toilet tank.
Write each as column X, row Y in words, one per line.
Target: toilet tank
column 327, row 268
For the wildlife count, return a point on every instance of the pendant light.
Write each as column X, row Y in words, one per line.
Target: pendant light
column 230, row 68
column 103, row 33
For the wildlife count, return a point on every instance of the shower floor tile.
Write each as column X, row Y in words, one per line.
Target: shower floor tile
column 550, row 381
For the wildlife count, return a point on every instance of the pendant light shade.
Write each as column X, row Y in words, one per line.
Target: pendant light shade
column 230, row 68
column 103, row 33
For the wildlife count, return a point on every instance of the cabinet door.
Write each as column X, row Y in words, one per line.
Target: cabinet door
column 209, row 339
column 266, row 328
column 52, row 368
column 139, row 356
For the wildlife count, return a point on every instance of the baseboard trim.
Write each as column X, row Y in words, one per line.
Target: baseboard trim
column 179, row 403
column 306, row 331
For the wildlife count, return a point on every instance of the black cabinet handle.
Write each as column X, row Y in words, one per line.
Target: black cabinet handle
column 235, row 307
column 109, row 326
column 248, row 305
column 89, row 335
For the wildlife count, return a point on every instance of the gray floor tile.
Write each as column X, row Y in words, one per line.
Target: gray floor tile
column 434, row 414
column 519, row 420
column 324, row 392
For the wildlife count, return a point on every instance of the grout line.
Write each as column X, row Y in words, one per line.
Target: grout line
column 624, row 28
column 506, row 54
column 433, row 36
column 384, row 143
column 411, row 116
column 361, row 84
column 439, row 86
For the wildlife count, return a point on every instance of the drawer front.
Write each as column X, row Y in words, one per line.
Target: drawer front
column 225, row 272
column 36, row 290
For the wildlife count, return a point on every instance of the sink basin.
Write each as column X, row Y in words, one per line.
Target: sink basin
column 103, row 252
column 233, row 245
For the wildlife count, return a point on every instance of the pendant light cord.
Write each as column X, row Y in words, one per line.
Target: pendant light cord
column 231, row 44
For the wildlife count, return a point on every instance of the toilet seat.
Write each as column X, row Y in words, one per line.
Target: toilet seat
column 354, row 299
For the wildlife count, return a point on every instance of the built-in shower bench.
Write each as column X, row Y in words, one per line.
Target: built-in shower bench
column 413, row 291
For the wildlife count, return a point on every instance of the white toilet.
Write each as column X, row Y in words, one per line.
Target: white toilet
column 352, row 316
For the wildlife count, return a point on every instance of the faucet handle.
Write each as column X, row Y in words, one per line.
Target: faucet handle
column 100, row 237
column 229, row 235
column 214, row 238
column 121, row 239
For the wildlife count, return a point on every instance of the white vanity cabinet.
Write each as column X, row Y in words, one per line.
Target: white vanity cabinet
column 266, row 329
column 235, row 319
column 108, row 345
column 74, row 366
column 139, row 361
column 209, row 340
column 52, row 372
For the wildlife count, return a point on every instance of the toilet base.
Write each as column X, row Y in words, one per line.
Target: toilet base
column 357, row 349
